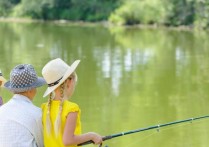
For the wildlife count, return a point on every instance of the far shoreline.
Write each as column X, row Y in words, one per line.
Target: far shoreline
column 101, row 23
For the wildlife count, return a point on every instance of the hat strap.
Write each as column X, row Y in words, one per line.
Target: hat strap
column 54, row 83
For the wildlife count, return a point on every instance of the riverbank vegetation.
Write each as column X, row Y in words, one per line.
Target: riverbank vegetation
column 192, row 13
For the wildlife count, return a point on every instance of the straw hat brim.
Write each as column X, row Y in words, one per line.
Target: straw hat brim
column 70, row 70
column 39, row 82
column 3, row 81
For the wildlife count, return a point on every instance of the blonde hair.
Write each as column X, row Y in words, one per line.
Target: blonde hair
column 58, row 119
column 48, row 119
column 57, row 123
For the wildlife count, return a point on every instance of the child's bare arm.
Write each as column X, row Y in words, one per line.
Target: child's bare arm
column 69, row 138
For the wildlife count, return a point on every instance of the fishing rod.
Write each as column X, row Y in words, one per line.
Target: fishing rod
column 145, row 129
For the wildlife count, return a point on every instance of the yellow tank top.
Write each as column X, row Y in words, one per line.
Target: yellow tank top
column 51, row 140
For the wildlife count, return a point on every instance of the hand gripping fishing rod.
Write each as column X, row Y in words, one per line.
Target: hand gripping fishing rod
column 145, row 129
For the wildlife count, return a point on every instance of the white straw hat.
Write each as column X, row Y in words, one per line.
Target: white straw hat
column 55, row 72
column 2, row 79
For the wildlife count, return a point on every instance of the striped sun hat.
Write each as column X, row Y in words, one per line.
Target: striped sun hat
column 23, row 78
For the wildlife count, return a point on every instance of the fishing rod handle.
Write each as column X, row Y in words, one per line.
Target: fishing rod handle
column 90, row 141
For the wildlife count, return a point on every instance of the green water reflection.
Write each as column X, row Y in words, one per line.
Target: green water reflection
column 128, row 78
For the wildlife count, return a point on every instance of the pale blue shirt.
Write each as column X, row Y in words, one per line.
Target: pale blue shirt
column 20, row 123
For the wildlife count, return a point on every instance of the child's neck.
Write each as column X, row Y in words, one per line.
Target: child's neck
column 58, row 98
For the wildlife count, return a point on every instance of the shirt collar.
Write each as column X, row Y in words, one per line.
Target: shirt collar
column 22, row 98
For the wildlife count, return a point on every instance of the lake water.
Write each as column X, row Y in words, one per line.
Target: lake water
column 128, row 78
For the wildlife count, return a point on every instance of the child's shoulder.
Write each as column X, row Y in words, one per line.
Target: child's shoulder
column 71, row 105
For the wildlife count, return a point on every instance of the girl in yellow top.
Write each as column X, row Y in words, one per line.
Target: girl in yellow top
column 61, row 118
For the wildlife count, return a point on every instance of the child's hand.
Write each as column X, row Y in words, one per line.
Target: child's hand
column 96, row 138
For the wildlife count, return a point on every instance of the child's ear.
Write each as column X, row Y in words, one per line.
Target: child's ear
column 68, row 83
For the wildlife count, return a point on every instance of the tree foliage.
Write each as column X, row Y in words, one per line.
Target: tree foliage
column 163, row 12
column 134, row 12
column 6, row 6
column 90, row 10
column 122, row 12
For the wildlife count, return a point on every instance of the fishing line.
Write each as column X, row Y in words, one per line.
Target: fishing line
column 142, row 139
column 158, row 130
column 185, row 124
column 157, row 127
